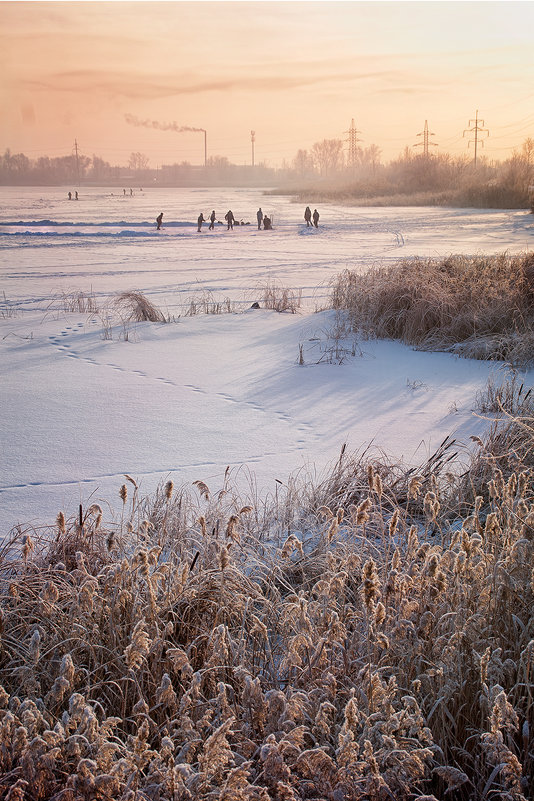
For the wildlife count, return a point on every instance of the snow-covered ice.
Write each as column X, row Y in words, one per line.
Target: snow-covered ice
column 186, row 399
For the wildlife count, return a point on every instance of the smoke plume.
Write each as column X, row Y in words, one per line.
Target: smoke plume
column 160, row 126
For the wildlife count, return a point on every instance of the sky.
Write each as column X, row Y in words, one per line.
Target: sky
column 293, row 72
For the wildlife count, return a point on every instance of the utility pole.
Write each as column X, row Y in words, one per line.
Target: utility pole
column 353, row 144
column 77, row 162
column 426, row 141
column 476, row 130
column 252, row 140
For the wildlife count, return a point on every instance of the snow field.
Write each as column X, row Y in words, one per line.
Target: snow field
column 184, row 400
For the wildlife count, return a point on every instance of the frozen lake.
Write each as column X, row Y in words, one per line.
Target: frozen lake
column 185, row 400
column 108, row 242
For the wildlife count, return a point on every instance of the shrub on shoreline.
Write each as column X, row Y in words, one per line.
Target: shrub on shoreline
column 478, row 306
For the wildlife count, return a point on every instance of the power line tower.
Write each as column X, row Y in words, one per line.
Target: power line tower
column 426, row 134
column 476, row 129
column 252, row 140
column 352, row 140
column 77, row 162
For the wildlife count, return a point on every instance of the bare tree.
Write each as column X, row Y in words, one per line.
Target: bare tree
column 303, row 163
column 370, row 157
column 328, row 155
column 138, row 161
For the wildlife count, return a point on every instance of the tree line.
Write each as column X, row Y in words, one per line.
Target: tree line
column 324, row 170
column 424, row 179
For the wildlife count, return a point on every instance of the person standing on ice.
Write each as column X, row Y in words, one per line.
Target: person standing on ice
column 200, row 221
column 315, row 218
column 212, row 220
column 70, row 195
column 307, row 216
column 229, row 217
column 259, row 217
column 159, row 220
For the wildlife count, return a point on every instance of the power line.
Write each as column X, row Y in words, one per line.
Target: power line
column 476, row 130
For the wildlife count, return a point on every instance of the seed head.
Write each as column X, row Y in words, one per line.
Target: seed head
column 370, row 590
column 362, row 515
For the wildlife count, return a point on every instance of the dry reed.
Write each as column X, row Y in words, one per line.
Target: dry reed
column 135, row 307
column 479, row 306
column 379, row 645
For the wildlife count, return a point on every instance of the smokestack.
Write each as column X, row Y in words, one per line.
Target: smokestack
column 169, row 126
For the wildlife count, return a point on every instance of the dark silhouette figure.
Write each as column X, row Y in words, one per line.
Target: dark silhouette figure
column 70, row 195
column 159, row 220
column 267, row 225
column 131, row 192
column 307, row 216
column 230, row 219
column 315, row 218
column 76, row 196
column 259, row 215
column 200, row 221
column 212, row 220
column 124, row 192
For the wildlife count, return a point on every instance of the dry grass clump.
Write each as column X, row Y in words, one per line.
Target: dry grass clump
column 479, row 307
column 370, row 651
column 8, row 308
column 82, row 302
column 279, row 298
column 135, row 307
column 206, row 303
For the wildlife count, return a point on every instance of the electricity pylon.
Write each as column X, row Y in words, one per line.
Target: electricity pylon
column 426, row 140
column 75, row 148
column 476, row 130
column 352, row 140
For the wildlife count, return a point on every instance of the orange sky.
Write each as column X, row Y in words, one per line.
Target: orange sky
column 295, row 72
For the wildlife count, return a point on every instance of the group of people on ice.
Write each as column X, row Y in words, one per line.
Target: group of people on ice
column 230, row 220
column 308, row 216
column 262, row 219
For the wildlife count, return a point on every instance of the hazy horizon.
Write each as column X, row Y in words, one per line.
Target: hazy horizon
column 121, row 77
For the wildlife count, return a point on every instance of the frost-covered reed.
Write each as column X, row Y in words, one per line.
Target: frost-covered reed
column 477, row 306
column 370, row 636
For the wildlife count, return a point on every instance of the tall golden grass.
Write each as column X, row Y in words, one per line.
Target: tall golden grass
column 367, row 636
column 477, row 306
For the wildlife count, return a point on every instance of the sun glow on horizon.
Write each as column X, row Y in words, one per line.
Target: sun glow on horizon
column 295, row 73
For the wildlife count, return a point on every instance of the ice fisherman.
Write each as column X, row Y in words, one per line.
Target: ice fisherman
column 259, row 216
column 212, row 220
column 315, row 218
column 159, row 220
column 267, row 225
column 200, row 221
column 70, row 195
column 307, row 216
column 230, row 219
